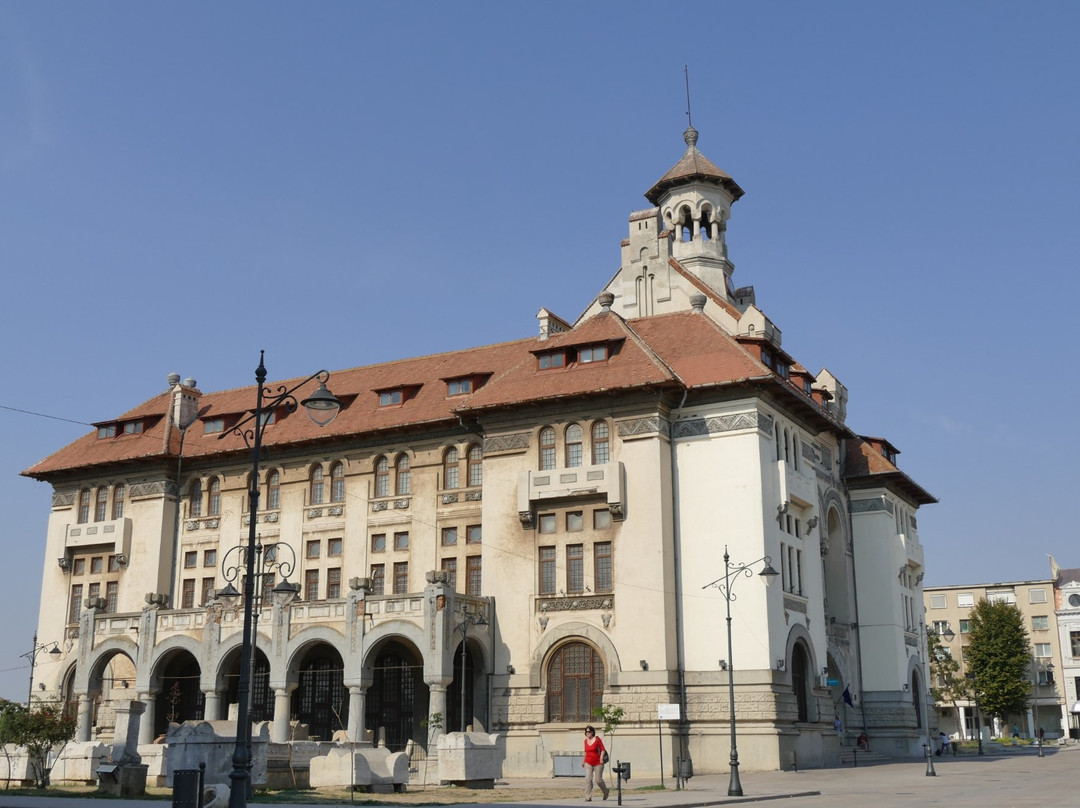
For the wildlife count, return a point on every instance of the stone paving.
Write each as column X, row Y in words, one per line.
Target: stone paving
column 1005, row 779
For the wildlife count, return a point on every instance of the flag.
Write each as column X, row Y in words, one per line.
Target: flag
column 847, row 698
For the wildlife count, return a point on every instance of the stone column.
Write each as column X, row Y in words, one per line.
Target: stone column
column 211, row 705
column 86, row 711
column 282, row 705
column 356, row 713
column 125, row 748
column 149, row 716
column 437, row 704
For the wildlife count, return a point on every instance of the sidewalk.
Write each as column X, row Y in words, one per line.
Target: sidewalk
column 1001, row 780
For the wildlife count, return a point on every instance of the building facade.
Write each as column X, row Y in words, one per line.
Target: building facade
column 947, row 611
column 577, row 489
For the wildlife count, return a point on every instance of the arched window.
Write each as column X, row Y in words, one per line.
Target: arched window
column 575, row 683
column 476, row 466
column 215, row 497
column 573, row 446
column 686, row 224
column 800, row 680
column 119, row 492
column 787, row 446
column 337, row 482
column 195, row 498
column 795, row 449
column 547, row 449
column 382, row 477
column 84, row 506
column 100, row 505
column 404, row 476
column 273, row 490
column 451, row 471
column 316, row 486
column 601, row 451
column 776, row 430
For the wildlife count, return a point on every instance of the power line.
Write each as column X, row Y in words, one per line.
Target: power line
column 43, row 415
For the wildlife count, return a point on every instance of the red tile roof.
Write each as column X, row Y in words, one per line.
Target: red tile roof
column 693, row 166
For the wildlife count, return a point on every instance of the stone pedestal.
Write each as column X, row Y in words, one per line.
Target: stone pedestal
column 470, row 759
column 122, row 781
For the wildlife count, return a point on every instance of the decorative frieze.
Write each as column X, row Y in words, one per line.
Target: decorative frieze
column 637, row 427
column 474, row 496
column 868, row 505
column 401, row 504
column 335, row 510
column 156, row 488
column 314, row 513
column 794, row 604
column 517, row 442
column 64, row 499
column 378, row 506
column 732, row 422
column 449, row 499
column 577, row 604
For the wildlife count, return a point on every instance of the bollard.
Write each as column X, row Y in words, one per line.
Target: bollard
column 622, row 772
column 929, row 761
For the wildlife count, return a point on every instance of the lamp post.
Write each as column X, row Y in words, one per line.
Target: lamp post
column 468, row 619
column 54, row 651
column 1035, row 698
column 322, row 407
column 927, row 703
column 732, row 572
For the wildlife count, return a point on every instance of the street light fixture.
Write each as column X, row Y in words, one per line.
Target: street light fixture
column 731, row 572
column 468, row 619
column 322, row 407
column 927, row 701
column 54, row 651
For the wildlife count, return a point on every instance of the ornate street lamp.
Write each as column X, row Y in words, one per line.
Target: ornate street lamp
column 468, row 619
column 731, row 572
column 54, row 651
column 322, row 407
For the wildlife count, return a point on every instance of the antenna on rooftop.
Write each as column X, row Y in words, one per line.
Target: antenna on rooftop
column 689, row 120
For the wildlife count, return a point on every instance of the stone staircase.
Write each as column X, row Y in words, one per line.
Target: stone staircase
column 852, row 756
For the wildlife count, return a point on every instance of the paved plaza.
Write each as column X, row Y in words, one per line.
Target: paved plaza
column 1007, row 779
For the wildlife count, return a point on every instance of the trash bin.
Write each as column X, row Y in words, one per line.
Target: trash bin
column 954, row 745
column 686, row 768
column 188, row 787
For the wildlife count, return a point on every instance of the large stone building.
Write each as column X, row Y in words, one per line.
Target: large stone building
column 577, row 489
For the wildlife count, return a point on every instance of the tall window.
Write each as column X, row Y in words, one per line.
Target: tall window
column 449, row 566
column 337, row 482
column 196, row 498
column 476, row 466
column 472, row 575
column 404, row 476
column 575, row 568
column 207, row 590
column 401, row 577
column 118, row 501
column 100, row 508
column 316, row 486
column 602, row 565
column 311, row 584
column 112, row 592
column 84, row 506
column 76, row 603
column 273, row 490
column 575, row 683
column 333, row 583
column 600, row 446
column 450, row 468
column 547, row 570
column 573, row 446
column 800, row 680
column 382, row 477
column 547, row 448
column 187, row 596
column 215, row 497
column 378, row 579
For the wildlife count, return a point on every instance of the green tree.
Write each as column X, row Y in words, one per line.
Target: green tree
column 946, row 683
column 612, row 717
column 38, row 731
column 998, row 658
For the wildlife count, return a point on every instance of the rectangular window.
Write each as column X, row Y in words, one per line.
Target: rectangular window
column 575, row 568
column 207, row 590
column 1042, row 650
column 1037, row 596
column 333, row 583
column 96, row 565
column 965, row 626
column 1074, row 641
column 378, row 542
column 472, row 575
column 333, row 547
column 575, row 521
column 191, row 559
column 209, row 558
column 378, row 579
column 601, row 519
column 449, row 566
column 314, row 548
column 107, row 431
column 114, row 563
column 1040, row 623
column 602, row 565
column 547, row 523
column 939, row 601
column 187, row 596
column 459, row 387
column 76, row 603
column 547, row 570
column 390, row 397
column 941, row 626
column 473, row 534
column 401, row 541
column 214, row 425
column 1046, row 677
column 311, row 584
column 1001, row 596
column 78, row 566
column 449, row 536
column 100, row 504
column 401, row 577
column 112, row 591
column 594, row 353
column 965, row 600
column 556, row 359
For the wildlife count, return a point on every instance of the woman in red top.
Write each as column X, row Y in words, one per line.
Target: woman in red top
column 593, row 764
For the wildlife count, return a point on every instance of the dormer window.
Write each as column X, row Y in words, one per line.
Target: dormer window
column 108, row 431
column 552, row 359
column 592, row 353
column 806, row 386
column 767, row 358
column 213, row 425
column 459, row 387
column 782, row 370
column 388, row 398
column 268, row 417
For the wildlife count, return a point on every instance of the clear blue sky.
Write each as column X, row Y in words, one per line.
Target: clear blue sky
column 182, row 184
